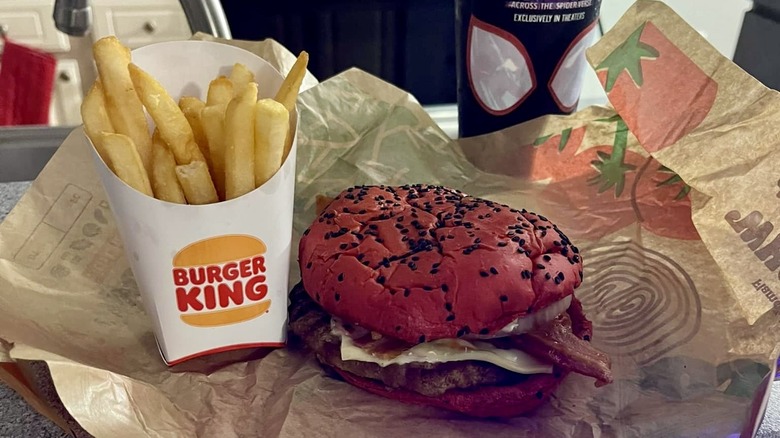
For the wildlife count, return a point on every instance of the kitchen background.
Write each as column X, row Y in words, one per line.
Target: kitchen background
column 407, row 42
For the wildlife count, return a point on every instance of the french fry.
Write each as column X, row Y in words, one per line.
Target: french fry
column 123, row 105
column 126, row 160
column 191, row 107
column 288, row 92
column 220, row 91
column 196, row 183
column 213, row 120
column 95, row 118
column 173, row 126
column 240, row 76
column 165, row 184
column 271, row 128
column 240, row 143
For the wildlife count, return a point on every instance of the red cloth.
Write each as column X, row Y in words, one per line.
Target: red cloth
column 26, row 84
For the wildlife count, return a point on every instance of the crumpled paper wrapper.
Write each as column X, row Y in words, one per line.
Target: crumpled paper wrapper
column 672, row 299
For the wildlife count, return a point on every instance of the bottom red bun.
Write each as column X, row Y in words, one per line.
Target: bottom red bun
column 486, row 401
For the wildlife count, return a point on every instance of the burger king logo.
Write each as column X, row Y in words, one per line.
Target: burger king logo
column 221, row 281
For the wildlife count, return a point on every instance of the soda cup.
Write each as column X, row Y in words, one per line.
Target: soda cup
column 518, row 60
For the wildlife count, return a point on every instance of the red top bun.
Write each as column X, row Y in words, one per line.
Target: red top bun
column 421, row 262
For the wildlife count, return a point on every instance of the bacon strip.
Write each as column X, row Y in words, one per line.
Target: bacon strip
column 556, row 343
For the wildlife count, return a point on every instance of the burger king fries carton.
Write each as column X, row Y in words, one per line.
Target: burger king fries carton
column 212, row 277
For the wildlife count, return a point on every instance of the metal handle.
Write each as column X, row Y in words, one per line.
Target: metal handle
column 206, row 16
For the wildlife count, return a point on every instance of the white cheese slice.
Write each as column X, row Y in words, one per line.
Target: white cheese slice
column 473, row 347
column 450, row 350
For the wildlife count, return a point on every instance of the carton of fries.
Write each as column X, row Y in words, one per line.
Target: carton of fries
column 212, row 267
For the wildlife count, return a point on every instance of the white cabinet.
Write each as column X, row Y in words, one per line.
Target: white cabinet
column 135, row 22
column 140, row 23
column 29, row 22
column 65, row 108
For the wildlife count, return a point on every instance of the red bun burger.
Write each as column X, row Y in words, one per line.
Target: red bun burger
column 428, row 296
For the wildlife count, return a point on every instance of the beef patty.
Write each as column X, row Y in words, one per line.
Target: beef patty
column 310, row 323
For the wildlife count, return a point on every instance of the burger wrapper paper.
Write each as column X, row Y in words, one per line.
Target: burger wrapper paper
column 671, row 197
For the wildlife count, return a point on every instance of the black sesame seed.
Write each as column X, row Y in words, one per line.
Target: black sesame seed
column 546, row 258
column 556, row 243
column 380, row 279
column 484, row 331
column 521, row 242
column 516, row 239
column 450, row 317
column 428, row 288
column 365, row 263
column 421, row 339
column 547, row 276
column 337, row 296
column 502, row 244
column 407, row 292
column 412, row 266
column 434, row 271
column 308, row 265
column 503, row 298
column 575, row 250
column 362, row 212
column 415, row 258
column 526, row 274
column 445, row 288
column 557, row 280
column 494, row 271
column 378, row 240
column 586, row 337
column 483, row 274
column 373, row 226
column 539, row 395
column 341, row 277
column 360, row 256
column 343, row 246
column 539, row 266
column 306, row 233
column 393, row 291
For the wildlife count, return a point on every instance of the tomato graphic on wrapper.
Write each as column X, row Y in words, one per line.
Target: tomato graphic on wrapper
column 606, row 188
column 642, row 79
column 221, row 281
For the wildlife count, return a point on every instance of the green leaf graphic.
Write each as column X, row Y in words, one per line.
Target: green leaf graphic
column 565, row 135
column 611, row 168
column 541, row 140
column 674, row 179
column 628, row 57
